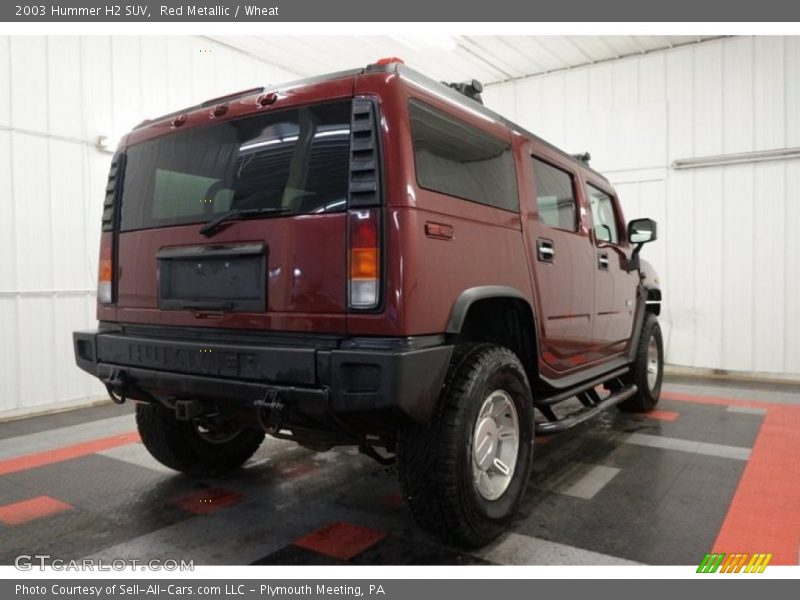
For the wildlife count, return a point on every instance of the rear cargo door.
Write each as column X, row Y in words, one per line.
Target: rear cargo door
column 277, row 183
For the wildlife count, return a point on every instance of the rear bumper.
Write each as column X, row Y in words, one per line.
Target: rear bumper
column 313, row 374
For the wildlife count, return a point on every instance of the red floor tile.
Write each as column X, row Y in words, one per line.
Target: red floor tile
column 207, row 501
column 763, row 515
column 662, row 415
column 31, row 461
column 30, row 510
column 341, row 540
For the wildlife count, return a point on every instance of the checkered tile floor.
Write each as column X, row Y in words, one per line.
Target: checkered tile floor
column 704, row 471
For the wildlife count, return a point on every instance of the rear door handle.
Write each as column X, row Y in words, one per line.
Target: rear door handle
column 602, row 261
column 545, row 251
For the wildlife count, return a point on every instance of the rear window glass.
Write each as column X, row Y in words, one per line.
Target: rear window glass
column 296, row 159
column 457, row 159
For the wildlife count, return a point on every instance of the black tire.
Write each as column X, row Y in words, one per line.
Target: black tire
column 648, row 393
column 180, row 446
column 435, row 461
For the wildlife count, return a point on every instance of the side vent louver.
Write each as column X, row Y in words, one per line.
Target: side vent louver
column 112, row 189
column 365, row 184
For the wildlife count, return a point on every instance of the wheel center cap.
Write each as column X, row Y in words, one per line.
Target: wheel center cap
column 486, row 442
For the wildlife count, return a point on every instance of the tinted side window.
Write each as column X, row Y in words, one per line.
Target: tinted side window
column 603, row 215
column 457, row 159
column 555, row 196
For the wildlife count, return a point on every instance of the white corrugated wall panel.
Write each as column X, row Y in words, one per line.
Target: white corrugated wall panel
column 529, row 102
column 705, row 267
column 737, row 268
column 9, row 353
column 791, row 250
column 32, row 216
column 155, row 76
column 96, row 88
column 180, row 92
column 678, row 278
column 28, row 83
column 727, row 255
column 504, row 98
column 552, row 124
column 577, row 103
column 8, row 264
column 770, row 106
column 64, row 87
column 652, row 83
column 57, row 95
column 37, row 351
column 792, row 72
column 679, row 90
column 70, row 253
column 5, row 76
column 707, row 86
column 625, row 83
column 126, row 83
column 769, row 291
column 737, row 96
column 601, row 87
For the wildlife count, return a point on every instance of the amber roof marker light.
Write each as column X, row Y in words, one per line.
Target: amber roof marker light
column 388, row 60
column 267, row 99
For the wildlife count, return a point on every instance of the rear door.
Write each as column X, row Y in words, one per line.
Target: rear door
column 561, row 256
column 284, row 269
column 615, row 298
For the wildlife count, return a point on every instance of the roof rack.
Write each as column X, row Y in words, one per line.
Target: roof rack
column 583, row 157
column 425, row 81
column 471, row 89
column 229, row 97
column 458, row 92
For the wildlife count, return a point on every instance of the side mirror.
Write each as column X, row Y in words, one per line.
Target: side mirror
column 641, row 231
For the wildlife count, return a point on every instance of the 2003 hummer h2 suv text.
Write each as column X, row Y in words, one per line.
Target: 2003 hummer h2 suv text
column 369, row 258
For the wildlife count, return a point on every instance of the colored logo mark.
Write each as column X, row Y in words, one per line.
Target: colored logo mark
column 734, row 563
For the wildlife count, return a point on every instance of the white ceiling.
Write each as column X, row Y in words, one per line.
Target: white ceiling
column 490, row 59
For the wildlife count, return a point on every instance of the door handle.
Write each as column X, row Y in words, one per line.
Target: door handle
column 544, row 250
column 602, row 261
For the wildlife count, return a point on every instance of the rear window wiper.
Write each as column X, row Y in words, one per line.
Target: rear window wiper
column 213, row 226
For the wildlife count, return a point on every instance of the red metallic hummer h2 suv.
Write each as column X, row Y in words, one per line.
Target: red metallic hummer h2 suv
column 369, row 258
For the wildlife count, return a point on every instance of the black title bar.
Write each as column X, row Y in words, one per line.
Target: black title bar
column 397, row 11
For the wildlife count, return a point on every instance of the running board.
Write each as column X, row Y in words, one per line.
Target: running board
column 584, row 415
column 587, row 385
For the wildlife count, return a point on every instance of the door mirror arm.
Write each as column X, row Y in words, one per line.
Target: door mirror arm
column 633, row 261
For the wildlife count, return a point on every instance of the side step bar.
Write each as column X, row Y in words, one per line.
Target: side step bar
column 587, row 413
column 573, row 391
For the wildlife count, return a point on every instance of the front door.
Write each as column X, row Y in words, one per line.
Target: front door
column 615, row 296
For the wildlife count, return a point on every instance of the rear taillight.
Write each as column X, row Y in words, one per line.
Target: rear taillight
column 365, row 258
column 105, row 270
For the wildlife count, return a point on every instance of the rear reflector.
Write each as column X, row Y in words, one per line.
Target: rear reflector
column 105, row 270
column 365, row 259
